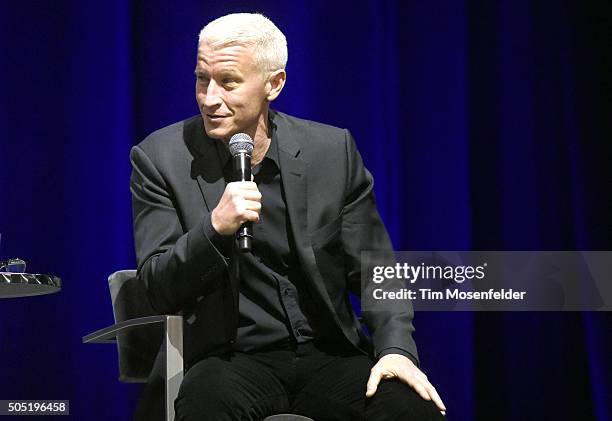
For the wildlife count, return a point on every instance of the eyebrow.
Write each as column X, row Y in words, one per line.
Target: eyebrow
column 230, row 72
column 225, row 72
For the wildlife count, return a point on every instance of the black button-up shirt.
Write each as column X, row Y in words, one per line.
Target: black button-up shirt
column 273, row 296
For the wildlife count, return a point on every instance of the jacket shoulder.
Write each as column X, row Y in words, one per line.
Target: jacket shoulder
column 311, row 128
column 171, row 136
column 324, row 144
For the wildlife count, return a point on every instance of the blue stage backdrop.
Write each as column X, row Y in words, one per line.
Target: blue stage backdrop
column 486, row 125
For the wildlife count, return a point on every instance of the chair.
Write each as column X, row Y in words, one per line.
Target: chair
column 148, row 342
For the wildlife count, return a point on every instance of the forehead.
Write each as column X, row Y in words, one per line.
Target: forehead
column 233, row 56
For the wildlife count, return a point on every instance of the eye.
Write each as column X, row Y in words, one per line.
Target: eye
column 228, row 81
column 202, row 78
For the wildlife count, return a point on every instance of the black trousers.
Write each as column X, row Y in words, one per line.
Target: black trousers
column 303, row 380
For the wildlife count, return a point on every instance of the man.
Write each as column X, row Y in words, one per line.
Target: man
column 271, row 330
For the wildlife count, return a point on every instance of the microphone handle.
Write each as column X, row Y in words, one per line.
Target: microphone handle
column 242, row 172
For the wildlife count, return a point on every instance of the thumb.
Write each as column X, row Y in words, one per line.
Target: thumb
column 373, row 381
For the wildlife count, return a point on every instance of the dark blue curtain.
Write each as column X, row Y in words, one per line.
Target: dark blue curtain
column 485, row 123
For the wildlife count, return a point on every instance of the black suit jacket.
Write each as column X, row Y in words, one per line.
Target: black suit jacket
column 177, row 181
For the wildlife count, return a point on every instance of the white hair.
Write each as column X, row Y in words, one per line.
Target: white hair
column 253, row 30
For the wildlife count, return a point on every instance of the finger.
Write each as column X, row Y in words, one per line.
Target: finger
column 249, row 215
column 252, row 205
column 435, row 397
column 421, row 390
column 415, row 380
column 421, row 377
column 251, row 195
column 373, row 381
column 418, row 381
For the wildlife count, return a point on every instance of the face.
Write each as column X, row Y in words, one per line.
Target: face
column 231, row 91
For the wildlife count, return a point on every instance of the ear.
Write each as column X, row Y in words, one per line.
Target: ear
column 275, row 83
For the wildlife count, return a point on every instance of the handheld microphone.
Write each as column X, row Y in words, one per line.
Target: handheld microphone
column 241, row 147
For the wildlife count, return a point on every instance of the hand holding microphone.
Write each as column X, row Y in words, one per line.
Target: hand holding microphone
column 240, row 204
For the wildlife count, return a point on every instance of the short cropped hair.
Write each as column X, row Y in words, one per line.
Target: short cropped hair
column 252, row 30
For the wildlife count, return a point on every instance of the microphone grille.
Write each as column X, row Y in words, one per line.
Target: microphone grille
column 240, row 142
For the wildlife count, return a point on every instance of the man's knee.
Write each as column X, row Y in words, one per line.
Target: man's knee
column 208, row 392
column 219, row 389
column 397, row 401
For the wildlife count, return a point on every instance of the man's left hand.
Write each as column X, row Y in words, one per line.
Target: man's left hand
column 402, row 368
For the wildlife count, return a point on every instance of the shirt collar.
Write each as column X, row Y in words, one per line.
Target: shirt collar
column 272, row 153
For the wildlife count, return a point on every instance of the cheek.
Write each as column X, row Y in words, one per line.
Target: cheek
column 249, row 100
column 235, row 102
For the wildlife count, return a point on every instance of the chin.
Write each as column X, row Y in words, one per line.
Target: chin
column 216, row 132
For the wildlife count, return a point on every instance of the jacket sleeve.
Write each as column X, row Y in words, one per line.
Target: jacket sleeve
column 363, row 230
column 176, row 266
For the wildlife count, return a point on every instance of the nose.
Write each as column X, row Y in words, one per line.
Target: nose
column 212, row 97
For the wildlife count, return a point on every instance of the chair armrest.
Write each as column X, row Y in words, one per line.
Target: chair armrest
column 109, row 334
column 171, row 352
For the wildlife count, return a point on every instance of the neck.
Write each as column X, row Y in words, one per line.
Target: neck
column 261, row 139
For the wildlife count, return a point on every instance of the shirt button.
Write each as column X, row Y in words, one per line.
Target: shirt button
column 286, row 292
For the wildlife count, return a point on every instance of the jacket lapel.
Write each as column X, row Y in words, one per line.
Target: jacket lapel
column 293, row 175
column 205, row 168
column 295, row 183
